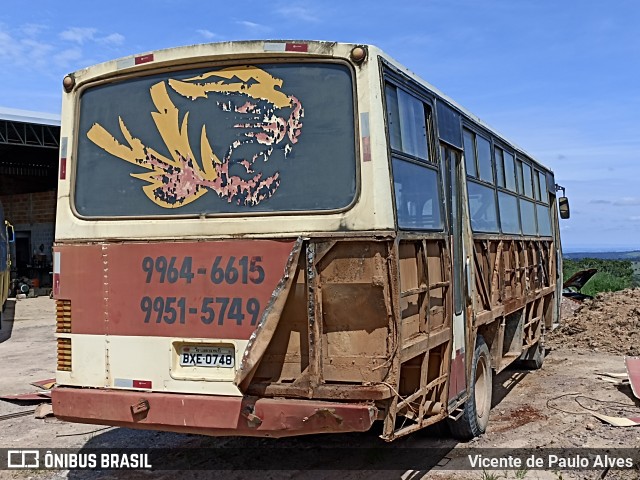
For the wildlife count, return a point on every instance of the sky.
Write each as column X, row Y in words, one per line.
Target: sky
column 558, row 78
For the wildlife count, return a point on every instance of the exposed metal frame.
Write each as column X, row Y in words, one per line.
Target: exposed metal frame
column 29, row 134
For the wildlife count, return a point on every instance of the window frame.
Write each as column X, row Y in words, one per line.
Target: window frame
column 439, row 197
column 468, row 126
column 501, row 154
column 432, row 162
column 476, row 177
column 475, row 133
column 194, row 64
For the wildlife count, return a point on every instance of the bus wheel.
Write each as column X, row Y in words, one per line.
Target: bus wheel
column 475, row 417
column 533, row 358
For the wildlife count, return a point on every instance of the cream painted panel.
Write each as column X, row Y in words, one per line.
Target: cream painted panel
column 88, row 361
column 98, row 360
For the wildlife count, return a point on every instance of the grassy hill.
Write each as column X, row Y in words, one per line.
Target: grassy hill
column 616, row 270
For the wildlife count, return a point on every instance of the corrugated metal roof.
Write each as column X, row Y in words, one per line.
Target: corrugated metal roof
column 26, row 116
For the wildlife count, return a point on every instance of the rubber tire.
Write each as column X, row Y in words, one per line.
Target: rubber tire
column 533, row 358
column 475, row 418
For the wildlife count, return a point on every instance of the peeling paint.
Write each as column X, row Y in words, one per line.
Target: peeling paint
column 325, row 413
column 178, row 181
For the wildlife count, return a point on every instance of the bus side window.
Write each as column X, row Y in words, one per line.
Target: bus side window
column 407, row 121
column 528, row 217
column 417, row 196
column 482, row 197
column 509, row 172
column 482, row 207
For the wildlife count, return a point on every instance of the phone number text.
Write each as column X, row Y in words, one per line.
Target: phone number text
column 212, row 310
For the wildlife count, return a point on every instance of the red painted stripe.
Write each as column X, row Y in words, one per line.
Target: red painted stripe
column 144, row 59
column 457, row 378
column 199, row 304
column 366, row 149
column 142, row 384
column 296, row 47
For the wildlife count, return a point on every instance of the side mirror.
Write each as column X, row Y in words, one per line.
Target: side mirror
column 563, row 204
column 11, row 236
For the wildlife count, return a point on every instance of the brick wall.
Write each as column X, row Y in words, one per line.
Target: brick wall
column 33, row 216
column 30, row 208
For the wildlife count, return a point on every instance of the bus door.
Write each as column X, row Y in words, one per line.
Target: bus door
column 451, row 158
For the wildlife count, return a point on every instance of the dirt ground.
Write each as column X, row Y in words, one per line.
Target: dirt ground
column 608, row 323
column 547, row 408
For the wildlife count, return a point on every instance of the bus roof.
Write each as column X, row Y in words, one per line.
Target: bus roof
column 298, row 48
column 452, row 103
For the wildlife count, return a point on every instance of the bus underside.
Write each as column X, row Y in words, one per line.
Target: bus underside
column 325, row 334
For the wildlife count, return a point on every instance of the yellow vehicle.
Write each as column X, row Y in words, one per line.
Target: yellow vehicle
column 285, row 238
column 6, row 237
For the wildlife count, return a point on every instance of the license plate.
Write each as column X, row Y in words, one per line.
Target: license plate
column 196, row 356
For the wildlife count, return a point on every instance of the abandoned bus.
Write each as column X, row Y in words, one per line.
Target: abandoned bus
column 286, row 238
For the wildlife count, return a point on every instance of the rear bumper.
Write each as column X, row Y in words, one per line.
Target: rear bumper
column 208, row 414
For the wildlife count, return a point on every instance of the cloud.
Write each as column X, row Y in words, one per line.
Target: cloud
column 33, row 47
column 634, row 219
column 33, row 29
column 246, row 23
column 299, row 12
column 115, row 39
column 6, row 42
column 255, row 27
column 81, row 35
column 627, row 201
column 208, row 34
column 68, row 57
column 23, row 52
column 78, row 34
column 37, row 51
column 600, row 202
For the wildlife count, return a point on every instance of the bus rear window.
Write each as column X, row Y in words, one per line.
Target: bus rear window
column 230, row 140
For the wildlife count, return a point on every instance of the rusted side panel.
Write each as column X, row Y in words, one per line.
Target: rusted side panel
column 439, row 266
column 355, row 324
column 509, row 270
column 410, row 282
column 287, row 356
column 425, row 335
column 261, row 337
column 334, row 327
column 515, row 286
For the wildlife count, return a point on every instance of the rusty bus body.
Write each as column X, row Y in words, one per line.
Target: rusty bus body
column 332, row 254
